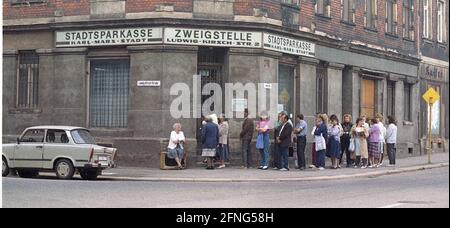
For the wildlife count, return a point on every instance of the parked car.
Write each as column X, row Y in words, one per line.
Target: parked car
column 60, row 149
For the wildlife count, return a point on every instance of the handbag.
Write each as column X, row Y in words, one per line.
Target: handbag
column 260, row 142
column 321, row 143
column 351, row 147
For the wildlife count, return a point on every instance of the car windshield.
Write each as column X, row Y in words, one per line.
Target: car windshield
column 81, row 136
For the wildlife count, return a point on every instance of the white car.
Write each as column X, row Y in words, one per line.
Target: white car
column 61, row 149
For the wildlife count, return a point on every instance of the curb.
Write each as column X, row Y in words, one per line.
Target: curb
column 319, row 178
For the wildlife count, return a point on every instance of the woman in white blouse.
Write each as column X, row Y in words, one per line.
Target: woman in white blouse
column 175, row 148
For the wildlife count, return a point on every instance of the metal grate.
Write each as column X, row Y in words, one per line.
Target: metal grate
column 109, row 91
column 28, row 80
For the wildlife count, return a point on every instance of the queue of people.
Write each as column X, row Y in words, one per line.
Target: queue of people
column 361, row 143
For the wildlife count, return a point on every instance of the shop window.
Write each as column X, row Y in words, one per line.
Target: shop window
column 323, row 7
column 436, row 113
column 322, row 87
column 427, row 18
column 286, row 89
column 391, row 98
column 371, row 14
column 109, row 93
column 407, row 102
column 348, row 9
column 391, row 17
column 28, row 80
column 368, row 89
column 408, row 19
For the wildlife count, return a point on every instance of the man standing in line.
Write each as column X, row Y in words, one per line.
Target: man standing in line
column 301, row 129
column 248, row 127
column 284, row 141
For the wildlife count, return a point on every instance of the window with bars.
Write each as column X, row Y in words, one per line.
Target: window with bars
column 109, row 92
column 391, row 17
column 348, row 9
column 427, row 19
column 407, row 102
column 371, row 14
column 28, row 80
column 323, row 7
column 322, row 87
column 408, row 19
column 441, row 27
column 391, row 98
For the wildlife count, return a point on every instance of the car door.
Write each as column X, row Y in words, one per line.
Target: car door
column 29, row 151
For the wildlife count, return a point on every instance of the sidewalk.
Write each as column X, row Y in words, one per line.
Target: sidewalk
column 236, row 174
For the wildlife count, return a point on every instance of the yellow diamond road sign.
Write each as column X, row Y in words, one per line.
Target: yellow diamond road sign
column 431, row 96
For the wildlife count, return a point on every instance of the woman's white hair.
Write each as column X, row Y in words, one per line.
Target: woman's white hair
column 176, row 125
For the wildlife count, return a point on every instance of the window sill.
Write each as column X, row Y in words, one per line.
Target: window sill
column 391, row 35
column 427, row 40
column 348, row 23
column 293, row 6
column 323, row 16
column 25, row 111
column 408, row 39
column 373, row 30
column 442, row 45
column 408, row 123
column 29, row 3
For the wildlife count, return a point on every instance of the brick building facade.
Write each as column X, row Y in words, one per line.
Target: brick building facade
column 367, row 58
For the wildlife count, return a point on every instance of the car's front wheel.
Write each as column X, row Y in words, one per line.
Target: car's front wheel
column 64, row 169
column 27, row 173
column 5, row 168
column 89, row 174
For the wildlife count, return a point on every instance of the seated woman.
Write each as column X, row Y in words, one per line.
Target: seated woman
column 175, row 147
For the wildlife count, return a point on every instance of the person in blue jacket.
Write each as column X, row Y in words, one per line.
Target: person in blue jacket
column 321, row 130
column 210, row 140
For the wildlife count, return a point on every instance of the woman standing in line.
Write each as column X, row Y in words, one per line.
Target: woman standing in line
column 263, row 129
column 334, row 147
column 345, row 140
column 223, row 140
column 320, row 136
column 374, row 144
column 210, row 140
column 360, row 134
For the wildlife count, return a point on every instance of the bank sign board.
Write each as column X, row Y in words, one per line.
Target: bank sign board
column 288, row 45
column 211, row 37
column 184, row 36
column 109, row 37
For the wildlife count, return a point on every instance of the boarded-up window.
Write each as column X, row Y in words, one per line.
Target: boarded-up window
column 368, row 97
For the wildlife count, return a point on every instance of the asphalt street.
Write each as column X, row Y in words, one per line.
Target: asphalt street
column 427, row 188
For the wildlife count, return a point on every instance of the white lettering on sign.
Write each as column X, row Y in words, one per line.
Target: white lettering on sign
column 149, row 83
column 103, row 37
column 288, row 45
column 204, row 37
column 267, row 86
